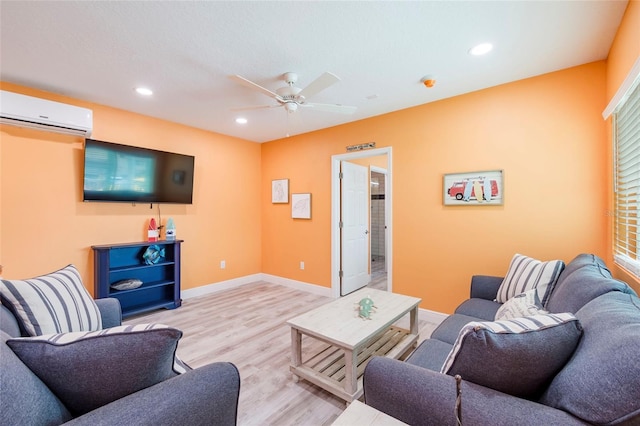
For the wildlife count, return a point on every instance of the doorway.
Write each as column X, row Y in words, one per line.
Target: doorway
column 336, row 255
column 378, row 228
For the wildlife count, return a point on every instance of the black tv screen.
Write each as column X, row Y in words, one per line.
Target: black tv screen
column 122, row 173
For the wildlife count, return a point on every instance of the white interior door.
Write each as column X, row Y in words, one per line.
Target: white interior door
column 354, row 232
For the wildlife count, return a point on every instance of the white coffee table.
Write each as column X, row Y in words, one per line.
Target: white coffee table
column 360, row 414
column 352, row 341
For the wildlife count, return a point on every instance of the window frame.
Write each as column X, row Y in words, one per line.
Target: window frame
column 625, row 111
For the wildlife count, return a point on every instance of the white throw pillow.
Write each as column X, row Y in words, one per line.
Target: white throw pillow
column 523, row 305
column 52, row 303
column 525, row 274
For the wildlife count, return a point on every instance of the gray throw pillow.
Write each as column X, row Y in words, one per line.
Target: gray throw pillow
column 88, row 370
column 24, row 399
column 53, row 303
column 519, row 357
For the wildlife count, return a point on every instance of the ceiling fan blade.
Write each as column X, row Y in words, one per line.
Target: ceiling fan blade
column 319, row 84
column 246, row 108
column 250, row 84
column 342, row 109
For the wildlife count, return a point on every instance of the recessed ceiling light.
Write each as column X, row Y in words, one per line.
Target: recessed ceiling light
column 241, row 120
column 481, row 49
column 144, row 91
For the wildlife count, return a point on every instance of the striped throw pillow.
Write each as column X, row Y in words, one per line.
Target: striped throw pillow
column 518, row 356
column 525, row 274
column 54, row 303
column 86, row 370
column 523, row 305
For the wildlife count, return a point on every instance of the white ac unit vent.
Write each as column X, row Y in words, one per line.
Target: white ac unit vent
column 27, row 111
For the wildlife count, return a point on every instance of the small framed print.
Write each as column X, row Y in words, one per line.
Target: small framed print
column 484, row 188
column 280, row 191
column 301, row 206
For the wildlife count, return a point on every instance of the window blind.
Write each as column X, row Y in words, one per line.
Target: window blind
column 626, row 137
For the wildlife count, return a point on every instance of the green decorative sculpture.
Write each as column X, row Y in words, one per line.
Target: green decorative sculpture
column 365, row 308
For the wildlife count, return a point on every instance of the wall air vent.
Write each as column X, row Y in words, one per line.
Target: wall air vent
column 26, row 111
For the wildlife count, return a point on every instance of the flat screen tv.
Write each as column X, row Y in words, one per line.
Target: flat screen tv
column 122, row 173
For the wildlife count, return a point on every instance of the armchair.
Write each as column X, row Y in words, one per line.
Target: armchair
column 37, row 394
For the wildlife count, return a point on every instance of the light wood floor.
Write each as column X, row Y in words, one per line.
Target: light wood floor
column 246, row 326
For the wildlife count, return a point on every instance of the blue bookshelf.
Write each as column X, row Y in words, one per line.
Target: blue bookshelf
column 160, row 281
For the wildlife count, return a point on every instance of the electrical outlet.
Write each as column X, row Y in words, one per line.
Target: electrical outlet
column 301, row 265
column 223, row 264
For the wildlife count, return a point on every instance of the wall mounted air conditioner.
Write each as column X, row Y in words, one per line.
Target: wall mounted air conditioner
column 26, row 111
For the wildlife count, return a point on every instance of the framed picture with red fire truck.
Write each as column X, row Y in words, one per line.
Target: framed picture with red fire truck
column 485, row 188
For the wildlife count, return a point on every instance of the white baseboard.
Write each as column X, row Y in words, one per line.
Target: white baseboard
column 431, row 316
column 298, row 285
column 237, row 282
column 220, row 286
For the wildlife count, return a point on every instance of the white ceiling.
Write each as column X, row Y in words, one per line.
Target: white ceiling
column 185, row 51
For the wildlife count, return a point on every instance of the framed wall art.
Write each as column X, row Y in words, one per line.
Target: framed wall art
column 280, row 191
column 301, row 206
column 485, row 188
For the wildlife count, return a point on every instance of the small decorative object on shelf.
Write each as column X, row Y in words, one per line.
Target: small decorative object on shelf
column 365, row 308
column 153, row 254
column 170, row 230
column 153, row 233
column 127, row 284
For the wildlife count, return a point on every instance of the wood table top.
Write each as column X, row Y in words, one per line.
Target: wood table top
column 338, row 321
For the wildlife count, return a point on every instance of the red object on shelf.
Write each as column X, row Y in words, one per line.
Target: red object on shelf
column 153, row 230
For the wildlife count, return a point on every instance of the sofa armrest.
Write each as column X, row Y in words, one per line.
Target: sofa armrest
column 205, row 396
column 418, row 396
column 110, row 311
column 8, row 322
column 485, row 286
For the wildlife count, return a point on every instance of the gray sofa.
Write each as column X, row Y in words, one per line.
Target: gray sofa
column 204, row 396
column 599, row 384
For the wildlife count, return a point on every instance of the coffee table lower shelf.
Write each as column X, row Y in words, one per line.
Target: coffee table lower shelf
column 327, row 369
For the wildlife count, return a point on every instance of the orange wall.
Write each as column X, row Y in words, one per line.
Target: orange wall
column 44, row 224
column 546, row 133
column 625, row 51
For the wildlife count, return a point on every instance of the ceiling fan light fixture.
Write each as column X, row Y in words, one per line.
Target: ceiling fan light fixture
column 481, row 49
column 291, row 107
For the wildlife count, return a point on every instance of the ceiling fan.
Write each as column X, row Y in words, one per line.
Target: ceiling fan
column 291, row 97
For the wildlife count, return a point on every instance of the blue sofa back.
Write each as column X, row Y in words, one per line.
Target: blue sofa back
column 585, row 278
column 601, row 382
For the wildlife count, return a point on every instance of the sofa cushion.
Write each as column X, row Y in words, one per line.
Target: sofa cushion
column 25, row 400
column 88, row 370
column 581, row 260
column 430, row 354
column 519, row 356
column 589, row 279
column 448, row 330
column 481, row 309
column 600, row 383
column 523, row 305
column 525, row 273
column 54, row 303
